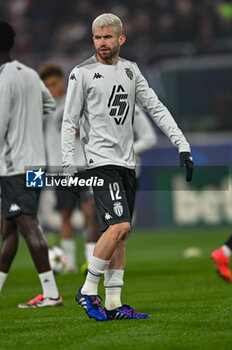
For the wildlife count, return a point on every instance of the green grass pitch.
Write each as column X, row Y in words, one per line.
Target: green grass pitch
column 190, row 307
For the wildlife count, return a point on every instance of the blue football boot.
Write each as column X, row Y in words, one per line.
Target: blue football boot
column 124, row 312
column 92, row 306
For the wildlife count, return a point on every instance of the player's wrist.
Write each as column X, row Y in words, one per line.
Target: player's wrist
column 69, row 170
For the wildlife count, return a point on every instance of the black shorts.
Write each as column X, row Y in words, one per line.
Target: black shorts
column 16, row 198
column 115, row 200
column 67, row 200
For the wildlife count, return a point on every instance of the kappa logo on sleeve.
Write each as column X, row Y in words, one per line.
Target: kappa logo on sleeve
column 108, row 216
column 97, row 76
column 73, row 77
column 35, row 178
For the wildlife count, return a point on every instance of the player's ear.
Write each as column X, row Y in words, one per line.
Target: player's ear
column 122, row 39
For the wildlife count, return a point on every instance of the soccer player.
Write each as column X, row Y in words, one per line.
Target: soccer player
column 66, row 201
column 221, row 259
column 24, row 100
column 101, row 96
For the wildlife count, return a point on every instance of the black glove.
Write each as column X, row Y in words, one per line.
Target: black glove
column 187, row 161
column 69, row 173
column 72, row 187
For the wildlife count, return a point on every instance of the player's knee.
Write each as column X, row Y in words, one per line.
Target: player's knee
column 24, row 228
column 122, row 231
column 66, row 216
column 125, row 230
column 37, row 242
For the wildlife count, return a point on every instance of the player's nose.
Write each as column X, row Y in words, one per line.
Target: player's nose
column 102, row 42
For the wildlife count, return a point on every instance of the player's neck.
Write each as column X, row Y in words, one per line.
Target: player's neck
column 110, row 62
column 4, row 58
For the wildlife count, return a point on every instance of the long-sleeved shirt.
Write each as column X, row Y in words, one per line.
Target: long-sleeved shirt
column 102, row 99
column 24, row 100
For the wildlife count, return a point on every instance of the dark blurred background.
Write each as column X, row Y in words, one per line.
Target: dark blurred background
column 156, row 29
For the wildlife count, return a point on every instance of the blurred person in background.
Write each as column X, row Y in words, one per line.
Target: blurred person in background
column 67, row 201
column 144, row 137
column 24, row 101
column 101, row 96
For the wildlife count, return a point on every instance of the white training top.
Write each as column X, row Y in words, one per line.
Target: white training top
column 24, row 100
column 102, row 99
column 144, row 136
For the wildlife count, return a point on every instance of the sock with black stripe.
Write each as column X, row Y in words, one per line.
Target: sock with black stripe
column 96, row 269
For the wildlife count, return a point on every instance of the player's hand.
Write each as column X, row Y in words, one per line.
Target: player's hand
column 187, row 161
column 70, row 173
column 72, row 186
column 69, row 170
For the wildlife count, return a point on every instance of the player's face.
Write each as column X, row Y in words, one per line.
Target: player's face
column 107, row 43
column 55, row 85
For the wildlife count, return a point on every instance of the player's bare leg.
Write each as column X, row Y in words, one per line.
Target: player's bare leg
column 68, row 242
column 108, row 242
column 109, row 250
column 92, row 230
column 8, row 249
column 113, row 285
column 87, row 296
column 66, row 227
column 28, row 226
column 103, row 252
column 9, row 243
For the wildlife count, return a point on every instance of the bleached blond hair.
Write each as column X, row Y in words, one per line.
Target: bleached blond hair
column 108, row 20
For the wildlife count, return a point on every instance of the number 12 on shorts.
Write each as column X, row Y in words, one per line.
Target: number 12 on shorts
column 114, row 191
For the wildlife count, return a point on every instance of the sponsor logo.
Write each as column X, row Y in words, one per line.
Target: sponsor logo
column 97, row 76
column 118, row 104
column 118, row 208
column 35, row 178
column 108, row 216
column 14, row 207
column 129, row 73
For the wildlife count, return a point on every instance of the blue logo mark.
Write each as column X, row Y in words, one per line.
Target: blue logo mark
column 35, row 178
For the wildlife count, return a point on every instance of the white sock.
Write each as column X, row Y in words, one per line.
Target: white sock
column 113, row 286
column 3, row 277
column 69, row 247
column 226, row 250
column 49, row 285
column 89, row 248
column 95, row 271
